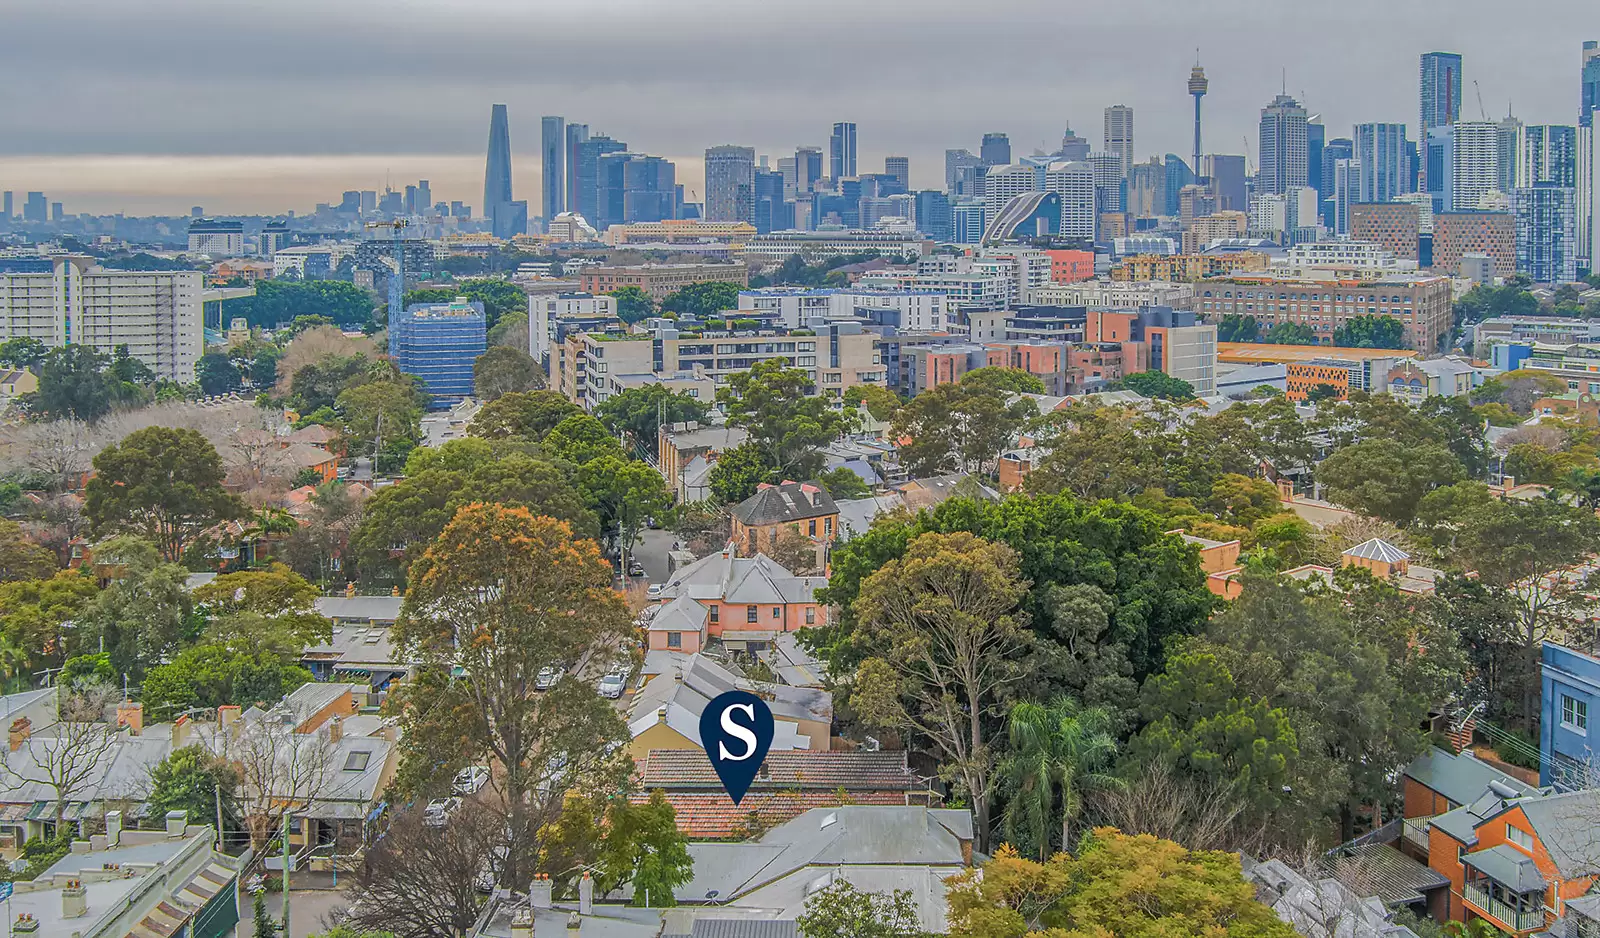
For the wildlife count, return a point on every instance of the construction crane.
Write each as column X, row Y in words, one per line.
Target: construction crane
column 397, row 283
column 1479, row 91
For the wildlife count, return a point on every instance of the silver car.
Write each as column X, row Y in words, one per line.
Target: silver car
column 612, row 685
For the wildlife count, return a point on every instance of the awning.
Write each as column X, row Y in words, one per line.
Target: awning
column 75, row 811
column 1506, row 866
column 333, row 811
column 14, row 813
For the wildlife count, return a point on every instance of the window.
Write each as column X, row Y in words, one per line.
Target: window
column 1574, row 713
column 812, row 528
column 674, row 639
column 777, row 612
column 752, row 613
column 714, row 611
column 1519, row 838
column 357, row 761
column 827, row 527
column 811, row 615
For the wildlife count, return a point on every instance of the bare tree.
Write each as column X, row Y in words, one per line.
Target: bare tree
column 60, row 448
column 281, row 770
column 421, row 881
column 1183, row 810
column 77, row 752
column 56, row 522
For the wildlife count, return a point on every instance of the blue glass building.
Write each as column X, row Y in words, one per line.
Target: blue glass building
column 439, row 343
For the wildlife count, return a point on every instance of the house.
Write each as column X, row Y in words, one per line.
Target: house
column 680, row 444
column 360, row 646
column 15, row 382
column 744, row 601
column 133, row 884
column 1325, row 907
column 876, row 848
column 1215, row 556
column 1388, row 562
column 788, row 784
column 1571, row 688
column 857, row 514
column 803, row 506
column 665, row 713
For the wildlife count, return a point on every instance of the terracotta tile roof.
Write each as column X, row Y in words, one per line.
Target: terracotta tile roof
column 712, row 816
column 810, row 770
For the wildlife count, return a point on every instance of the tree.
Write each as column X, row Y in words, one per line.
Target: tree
column 702, row 299
column 1518, row 389
column 1131, row 886
column 839, row 910
column 144, row 614
column 1324, row 392
column 640, row 412
column 738, row 473
column 1386, row 478
column 878, row 401
column 162, row 483
column 504, row 370
column 264, row 925
column 512, row 332
column 23, row 352
column 268, row 611
column 1371, row 332
column 843, row 483
column 635, row 305
column 20, row 557
column 73, row 384
column 1524, row 551
column 33, row 614
column 961, row 427
column 1005, row 380
column 420, row 881
column 1155, row 384
column 622, row 493
column 1236, row 328
column 70, row 759
column 527, row 415
column 1290, row 333
column 643, row 846
column 193, row 779
column 278, row 302
column 279, row 770
column 776, row 405
column 216, row 373
column 950, row 646
column 380, row 414
column 1094, row 452
column 580, row 439
column 499, row 297
column 1057, row 754
column 551, row 606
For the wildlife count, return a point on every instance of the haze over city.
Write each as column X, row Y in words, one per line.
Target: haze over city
column 172, row 103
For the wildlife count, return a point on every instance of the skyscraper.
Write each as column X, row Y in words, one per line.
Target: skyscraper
column 842, row 151
column 6, row 209
column 1547, row 232
column 587, row 175
column 1589, row 103
column 1510, row 142
column 1119, row 136
column 633, row 187
column 1381, row 151
column 1226, row 179
column 1440, row 91
column 1339, row 148
column 1282, row 142
column 497, row 171
column 553, row 166
column 1547, row 153
column 577, row 136
column 1197, row 87
column 1179, row 174
column 730, row 181
column 1473, row 149
column 807, row 168
column 900, row 168
column 958, row 165
column 996, row 149
column 1316, row 138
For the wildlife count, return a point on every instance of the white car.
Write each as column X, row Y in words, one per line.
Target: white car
column 470, row 779
column 612, row 685
column 654, row 589
column 438, row 811
column 547, row 678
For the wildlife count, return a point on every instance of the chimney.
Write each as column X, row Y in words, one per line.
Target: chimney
column 177, row 823
column 661, row 714
column 522, row 923
column 574, row 925
column 131, row 715
column 26, row 925
column 349, row 589
column 394, row 591
column 113, row 827
column 335, row 729
column 228, row 715
column 541, row 894
column 21, row 729
column 585, row 895
column 180, row 731
column 74, row 900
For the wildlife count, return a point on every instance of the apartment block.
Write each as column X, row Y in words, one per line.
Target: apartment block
column 1205, row 229
column 1456, row 234
column 794, row 307
column 67, row 300
column 1186, row 267
column 1421, row 303
column 1393, row 225
column 551, row 315
column 661, row 280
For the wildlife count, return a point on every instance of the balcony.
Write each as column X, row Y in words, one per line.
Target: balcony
column 1506, row 915
column 1416, row 832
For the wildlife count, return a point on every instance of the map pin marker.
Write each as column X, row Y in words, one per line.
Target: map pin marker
column 736, row 730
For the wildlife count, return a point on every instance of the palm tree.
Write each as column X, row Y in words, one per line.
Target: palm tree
column 1058, row 753
column 265, row 523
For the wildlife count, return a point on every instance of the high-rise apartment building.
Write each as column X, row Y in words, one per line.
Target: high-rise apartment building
column 1073, row 181
column 1004, row 183
column 1282, row 142
column 1108, row 181
column 730, row 182
column 1510, row 139
column 1381, row 150
column 65, row 299
column 1547, row 232
column 1589, row 104
column 1473, row 148
column 1547, row 153
column 439, row 343
column 996, row 150
column 1119, row 136
column 842, row 151
column 497, row 169
column 1440, row 92
column 934, row 217
column 553, row 165
column 900, row 168
column 216, row 238
column 577, row 136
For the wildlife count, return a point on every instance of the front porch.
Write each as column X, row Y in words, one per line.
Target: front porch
column 1503, row 886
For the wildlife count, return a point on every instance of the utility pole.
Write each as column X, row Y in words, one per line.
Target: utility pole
column 286, row 872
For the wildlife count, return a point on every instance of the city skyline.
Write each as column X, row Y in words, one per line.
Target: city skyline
column 122, row 145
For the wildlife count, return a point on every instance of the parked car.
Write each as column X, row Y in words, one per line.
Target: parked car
column 470, row 779
column 438, row 811
column 612, row 685
column 635, row 568
column 654, row 589
column 547, row 677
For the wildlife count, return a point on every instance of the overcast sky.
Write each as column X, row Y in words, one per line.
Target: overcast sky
column 155, row 105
